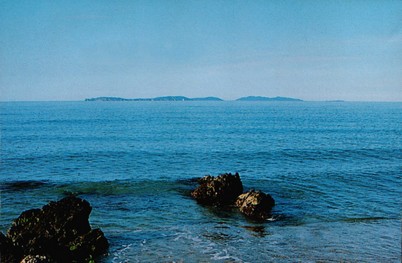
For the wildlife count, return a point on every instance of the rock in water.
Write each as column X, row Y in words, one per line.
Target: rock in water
column 60, row 232
column 93, row 243
column 255, row 204
column 218, row 191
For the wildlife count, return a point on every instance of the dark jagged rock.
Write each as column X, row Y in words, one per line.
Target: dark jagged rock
column 255, row 204
column 36, row 259
column 92, row 243
column 226, row 190
column 56, row 229
column 8, row 252
column 218, row 191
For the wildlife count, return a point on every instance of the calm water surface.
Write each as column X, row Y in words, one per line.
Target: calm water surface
column 334, row 170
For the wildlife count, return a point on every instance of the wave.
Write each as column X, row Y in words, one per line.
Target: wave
column 13, row 186
column 103, row 188
column 366, row 219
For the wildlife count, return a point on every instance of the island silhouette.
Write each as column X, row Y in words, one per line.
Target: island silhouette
column 183, row 98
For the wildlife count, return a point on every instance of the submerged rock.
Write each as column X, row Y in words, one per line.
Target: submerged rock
column 218, row 191
column 59, row 231
column 255, row 204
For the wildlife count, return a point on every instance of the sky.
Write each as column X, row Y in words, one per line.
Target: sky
column 312, row 50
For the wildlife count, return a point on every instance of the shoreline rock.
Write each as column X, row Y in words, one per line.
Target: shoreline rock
column 8, row 252
column 59, row 232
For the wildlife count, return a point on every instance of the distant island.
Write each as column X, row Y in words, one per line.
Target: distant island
column 166, row 98
column 182, row 98
column 259, row 98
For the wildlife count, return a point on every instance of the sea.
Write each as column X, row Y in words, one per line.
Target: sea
column 333, row 168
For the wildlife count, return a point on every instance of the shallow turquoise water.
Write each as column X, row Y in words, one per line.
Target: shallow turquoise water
column 334, row 170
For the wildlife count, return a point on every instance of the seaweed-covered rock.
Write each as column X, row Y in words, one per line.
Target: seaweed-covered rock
column 92, row 243
column 218, row 191
column 50, row 231
column 255, row 204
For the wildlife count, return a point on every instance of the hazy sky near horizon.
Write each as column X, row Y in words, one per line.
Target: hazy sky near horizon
column 313, row 50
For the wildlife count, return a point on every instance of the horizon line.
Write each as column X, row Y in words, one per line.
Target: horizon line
column 222, row 100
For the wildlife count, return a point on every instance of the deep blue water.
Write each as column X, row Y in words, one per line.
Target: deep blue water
column 334, row 170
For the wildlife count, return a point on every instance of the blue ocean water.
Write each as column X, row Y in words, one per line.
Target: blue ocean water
column 334, row 170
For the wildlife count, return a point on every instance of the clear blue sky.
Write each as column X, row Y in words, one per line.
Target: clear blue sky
column 313, row 50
